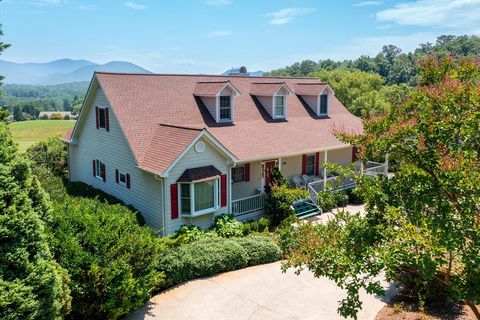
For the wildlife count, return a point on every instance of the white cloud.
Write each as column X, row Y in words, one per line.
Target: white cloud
column 135, row 6
column 285, row 16
column 218, row 2
column 367, row 3
column 222, row 33
column 455, row 14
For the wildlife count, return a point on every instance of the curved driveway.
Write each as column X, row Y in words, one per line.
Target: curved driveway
column 255, row 293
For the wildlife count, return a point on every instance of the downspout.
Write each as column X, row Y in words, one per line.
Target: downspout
column 164, row 232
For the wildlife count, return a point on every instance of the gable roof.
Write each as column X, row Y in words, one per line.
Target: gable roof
column 311, row 89
column 211, row 88
column 160, row 112
column 267, row 88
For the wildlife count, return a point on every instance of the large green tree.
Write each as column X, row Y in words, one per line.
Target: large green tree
column 422, row 226
column 359, row 91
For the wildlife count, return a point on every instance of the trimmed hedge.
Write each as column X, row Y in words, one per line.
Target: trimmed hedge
column 207, row 257
column 260, row 249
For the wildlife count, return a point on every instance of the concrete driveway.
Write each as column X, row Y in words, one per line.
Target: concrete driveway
column 256, row 293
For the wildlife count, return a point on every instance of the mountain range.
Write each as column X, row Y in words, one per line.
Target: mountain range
column 60, row 71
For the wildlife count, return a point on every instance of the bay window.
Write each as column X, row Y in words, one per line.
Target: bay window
column 198, row 198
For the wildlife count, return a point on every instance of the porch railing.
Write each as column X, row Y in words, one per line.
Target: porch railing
column 375, row 168
column 248, row 204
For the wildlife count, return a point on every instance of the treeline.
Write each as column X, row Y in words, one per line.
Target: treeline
column 26, row 101
column 370, row 84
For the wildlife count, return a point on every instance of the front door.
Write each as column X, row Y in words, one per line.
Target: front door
column 269, row 165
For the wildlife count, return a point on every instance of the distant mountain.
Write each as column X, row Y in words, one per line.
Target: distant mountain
column 60, row 71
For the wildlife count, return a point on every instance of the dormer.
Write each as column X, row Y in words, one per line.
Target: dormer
column 273, row 97
column 316, row 95
column 217, row 96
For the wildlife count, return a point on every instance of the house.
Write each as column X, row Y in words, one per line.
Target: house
column 59, row 114
column 184, row 148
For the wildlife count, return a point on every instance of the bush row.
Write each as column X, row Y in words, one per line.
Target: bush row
column 209, row 256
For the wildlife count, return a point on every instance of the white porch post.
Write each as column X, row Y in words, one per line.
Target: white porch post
column 325, row 159
column 385, row 169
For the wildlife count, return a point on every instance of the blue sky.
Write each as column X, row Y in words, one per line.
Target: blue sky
column 210, row 36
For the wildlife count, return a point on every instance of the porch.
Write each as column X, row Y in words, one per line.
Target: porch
column 303, row 171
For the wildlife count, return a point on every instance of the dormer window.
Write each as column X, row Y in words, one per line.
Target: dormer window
column 316, row 95
column 217, row 97
column 225, row 108
column 279, row 106
column 323, row 104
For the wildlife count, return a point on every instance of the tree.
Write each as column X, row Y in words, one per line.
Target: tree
column 358, row 91
column 422, row 226
column 32, row 284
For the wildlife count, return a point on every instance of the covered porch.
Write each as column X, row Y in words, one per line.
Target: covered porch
column 301, row 171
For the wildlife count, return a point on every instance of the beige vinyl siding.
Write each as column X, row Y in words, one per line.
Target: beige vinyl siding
column 211, row 104
column 248, row 188
column 266, row 102
column 312, row 102
column 193, row 159
column 111, row 148
column 291, row 166
column 341, row 156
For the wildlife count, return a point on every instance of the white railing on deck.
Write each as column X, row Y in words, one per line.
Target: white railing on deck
column 248, row 204
column 375, row 168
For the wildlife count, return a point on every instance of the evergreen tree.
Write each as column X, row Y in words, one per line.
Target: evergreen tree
column 32, row 284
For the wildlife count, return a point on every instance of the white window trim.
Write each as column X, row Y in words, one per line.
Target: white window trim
column 98, row 169
column 319, row 101
column 274, row 106
column 216, row 203
column 231, row 109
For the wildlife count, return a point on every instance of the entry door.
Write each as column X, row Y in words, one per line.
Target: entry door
column 269, row 165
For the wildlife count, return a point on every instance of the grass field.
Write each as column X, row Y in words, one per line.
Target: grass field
column 26, row 133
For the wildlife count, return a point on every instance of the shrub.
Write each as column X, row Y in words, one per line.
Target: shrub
column 261, row 225
column 260, row 249
column 111, row 260
column 43, row 117
column 56, row 116
column 226, row 226
column 202, row 258
column 50, row 153
column 188, row 234
column 66, row 117
column 279, row 201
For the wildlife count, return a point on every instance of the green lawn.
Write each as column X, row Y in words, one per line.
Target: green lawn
column 26, row 133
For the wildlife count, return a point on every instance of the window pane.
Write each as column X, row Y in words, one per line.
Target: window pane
column 224, row 101
column 279, row 100
column 185, row 198
column 323, row 103
column 224, row 113
column 238, row 174
column 101, row 118
column 310, row 167
column 99, row 168
column 278, row 111
column 225, row 107
column 123, row 178
column 204, row 195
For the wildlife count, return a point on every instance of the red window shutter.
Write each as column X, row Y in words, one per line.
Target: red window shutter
column 174, row 200
column 317, row 163
column 107, row 120
column 304, row 164
column 247, row 172
column 96, row 117
column 128, row 181
column 354, row 154
column 223, row 190
column 94, row 168
column 117, row 179
column 104, row 174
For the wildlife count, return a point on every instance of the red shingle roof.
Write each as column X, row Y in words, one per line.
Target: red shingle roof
column 209, row 88
column 310, row 89
column 266, row 89
column 143, row 102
